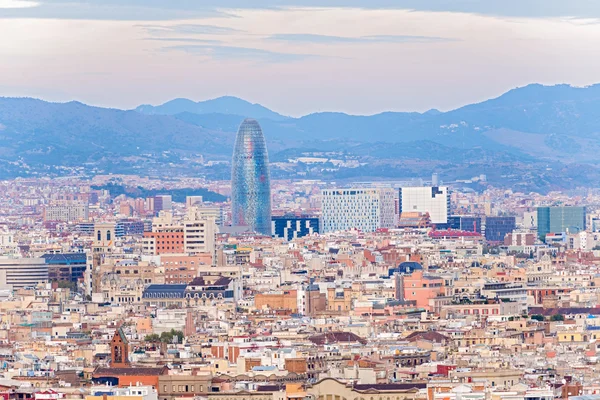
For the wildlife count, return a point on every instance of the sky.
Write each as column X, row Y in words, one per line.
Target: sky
column 295, row 56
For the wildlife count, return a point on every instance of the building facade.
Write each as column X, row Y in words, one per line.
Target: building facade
column 250, row 181
column 433, row 200
column 365, row 209
column 65, row 211
column 23, row 272
column 294, row 226
column 496, row 228
column 560, row 219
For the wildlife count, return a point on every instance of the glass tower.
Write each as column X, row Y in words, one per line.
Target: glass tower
column 560, row 219
column 250, row 182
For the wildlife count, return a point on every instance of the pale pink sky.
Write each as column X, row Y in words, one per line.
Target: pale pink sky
column 292, row 59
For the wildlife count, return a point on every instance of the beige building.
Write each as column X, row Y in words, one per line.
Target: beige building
column 177, row 386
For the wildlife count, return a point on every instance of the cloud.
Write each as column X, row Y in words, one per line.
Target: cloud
column 183, row 40
column 161, row 10
column 240, row 53
column 5, row 4
column 325, row 39
column 188, row 29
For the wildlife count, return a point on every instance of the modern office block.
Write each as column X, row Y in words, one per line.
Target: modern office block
column 496, row 228
column 365, row 209
column 560, row 219
column 294, row 226
column 433, row 200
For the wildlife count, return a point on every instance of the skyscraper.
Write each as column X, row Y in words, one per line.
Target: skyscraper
column 250, row 182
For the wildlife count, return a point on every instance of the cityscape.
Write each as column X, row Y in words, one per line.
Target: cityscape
column 155, row 249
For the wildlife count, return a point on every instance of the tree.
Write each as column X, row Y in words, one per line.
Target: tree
column 167, row 337
column 68, row 285
column 557, row 317
column 537, row 317
column 153, row 338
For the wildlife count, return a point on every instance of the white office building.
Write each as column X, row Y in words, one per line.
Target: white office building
column 365, row 209
column 432, row 200
column 22, row 272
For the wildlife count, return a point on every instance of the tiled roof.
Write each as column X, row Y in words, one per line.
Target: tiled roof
column 381, row 387
column 130, row 371
column 336, row 337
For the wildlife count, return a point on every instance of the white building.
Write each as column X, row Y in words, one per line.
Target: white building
column 199, row 232
column 432, row 200
column 23, row 272
column 365, row 209
column 67, row 212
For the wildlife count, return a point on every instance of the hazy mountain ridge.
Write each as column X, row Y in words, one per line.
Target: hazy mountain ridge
column 221, row 105
column 525, row 124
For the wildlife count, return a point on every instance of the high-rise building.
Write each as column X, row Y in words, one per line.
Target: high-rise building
column 291, row 226
column 199, row 232
column 560, row 219
column 496, row 228
column 434, row 200
column 366, row 209
column 250, row 182
column 162, row 202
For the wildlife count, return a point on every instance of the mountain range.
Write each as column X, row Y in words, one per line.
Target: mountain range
column 531, row 124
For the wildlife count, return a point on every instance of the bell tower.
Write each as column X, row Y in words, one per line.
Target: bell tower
column 119, row 350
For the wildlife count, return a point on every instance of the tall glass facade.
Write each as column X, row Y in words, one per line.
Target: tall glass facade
column 560, row 219
column 250, row 182
column 496, row 228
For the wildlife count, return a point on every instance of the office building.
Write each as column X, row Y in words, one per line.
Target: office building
column 496, row 228
column 69, row 267
column 214, row 212
column 464, row 223
column 432, row 200
column 193, row 201
column 23, row 272
column 560, row 219
column 250, row 181
column 162, row 202
column 199, row 233
column 291, row 226
column 365, row 209
column 66, row 211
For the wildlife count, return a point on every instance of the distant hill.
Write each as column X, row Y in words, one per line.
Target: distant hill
column 74, row 133
column 222, row 105
column 533, row 123
column 178, row 195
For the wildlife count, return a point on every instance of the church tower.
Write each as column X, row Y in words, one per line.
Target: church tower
column 119, row 350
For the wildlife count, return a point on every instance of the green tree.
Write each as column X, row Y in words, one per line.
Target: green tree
column 557, row 317
column 68, row 285
column 167, row 337
column 537, row 317
column 153, row 338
